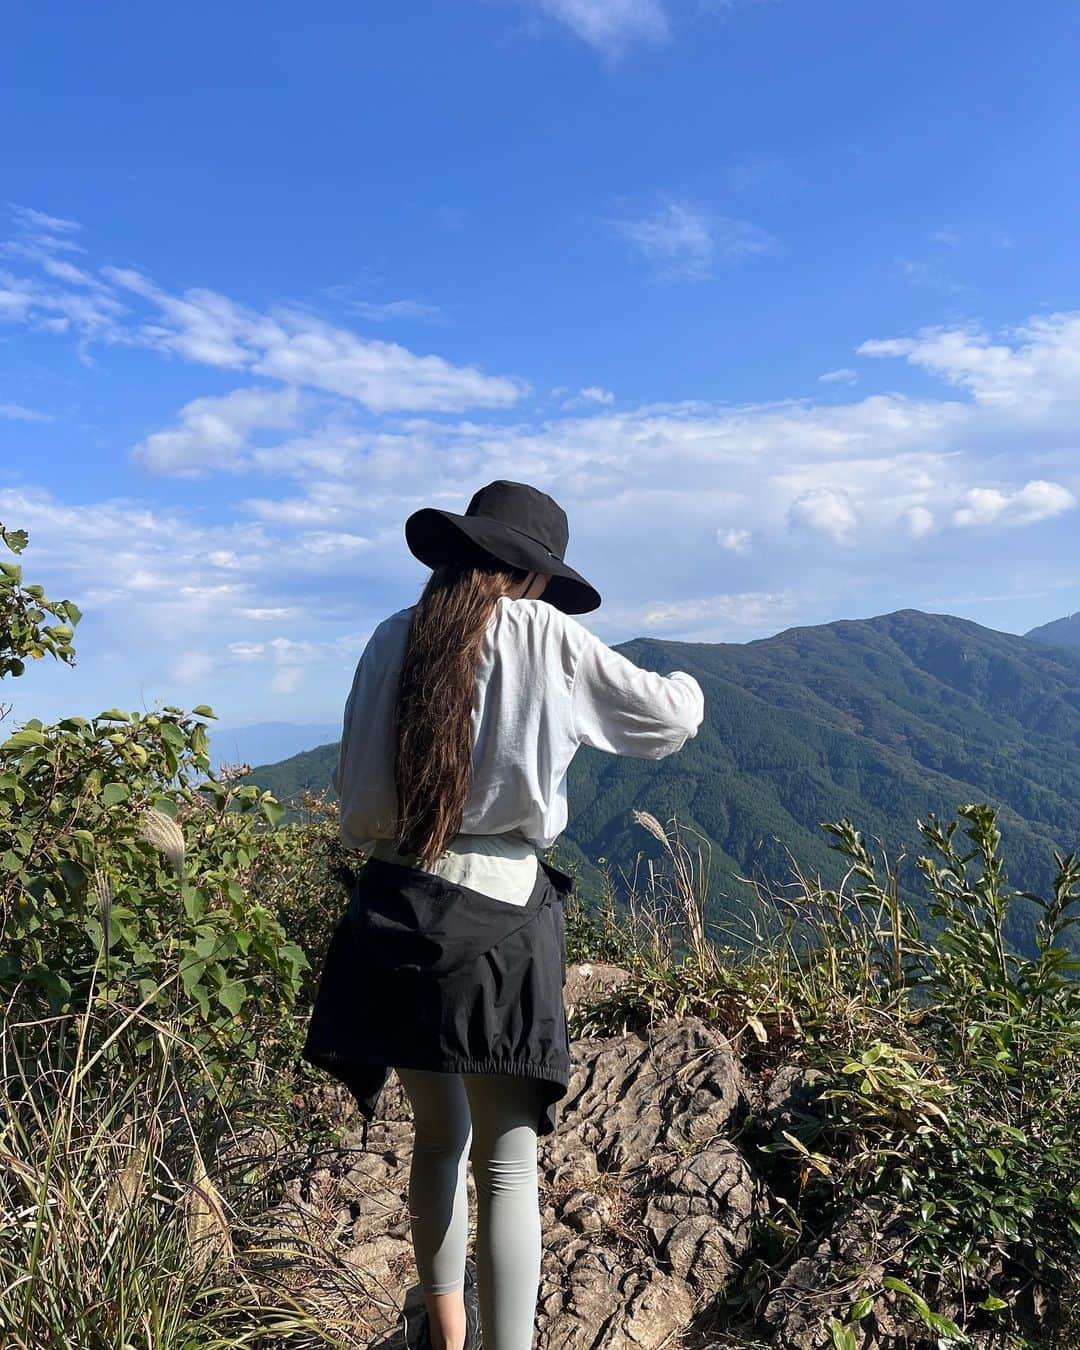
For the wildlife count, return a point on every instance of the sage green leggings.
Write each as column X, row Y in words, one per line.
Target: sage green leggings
column 497, row 1114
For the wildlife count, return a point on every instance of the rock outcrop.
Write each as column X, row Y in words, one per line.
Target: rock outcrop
column 650, row 1189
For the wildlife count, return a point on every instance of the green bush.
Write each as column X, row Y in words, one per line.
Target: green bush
column 971, row 1123
column 116, row 868
column 949, row 1088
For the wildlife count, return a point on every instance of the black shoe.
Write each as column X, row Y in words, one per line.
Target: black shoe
column 415, row 1318
column 417, row 1326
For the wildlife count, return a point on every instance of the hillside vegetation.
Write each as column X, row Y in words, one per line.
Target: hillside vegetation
column 883, row 719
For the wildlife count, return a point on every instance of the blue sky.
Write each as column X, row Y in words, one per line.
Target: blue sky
column 780, row 301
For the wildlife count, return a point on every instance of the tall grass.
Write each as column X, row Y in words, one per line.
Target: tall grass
column 114, row 1230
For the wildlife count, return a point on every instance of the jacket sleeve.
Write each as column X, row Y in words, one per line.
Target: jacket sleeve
column 621, row 708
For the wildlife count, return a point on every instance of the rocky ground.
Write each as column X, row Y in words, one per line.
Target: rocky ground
column 650, row 1187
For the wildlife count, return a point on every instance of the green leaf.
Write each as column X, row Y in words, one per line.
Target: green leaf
column 194, row 903
column 113, row 715
column 841, row 1338
column 992, row 1303
column 861, row 1307
column 900, row 1287
column 941, row 1324
column 23, row 739
column 203, row 710
column 115, row 793
column 272, row 809
column 73, row 874
column 232, row 995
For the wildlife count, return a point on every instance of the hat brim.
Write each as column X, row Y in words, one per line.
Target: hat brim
column 437, row 537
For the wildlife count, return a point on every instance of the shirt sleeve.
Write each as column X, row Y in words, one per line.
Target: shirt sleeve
column 363, row 778
column 339, row 768
column 621, row 708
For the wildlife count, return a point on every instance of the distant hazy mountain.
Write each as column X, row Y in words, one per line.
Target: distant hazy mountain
column 882, row 720
column 1060, row 632
column 262, row 742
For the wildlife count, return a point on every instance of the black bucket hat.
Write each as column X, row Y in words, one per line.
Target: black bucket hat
column 513, row 522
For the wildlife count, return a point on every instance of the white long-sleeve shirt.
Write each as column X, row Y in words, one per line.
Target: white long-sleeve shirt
column 545, row 684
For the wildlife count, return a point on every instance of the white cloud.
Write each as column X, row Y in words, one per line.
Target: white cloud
column 300, row 348
column 381, row 375
column 62, row 270
column 843, row 376
column 684, row 242
column 706, row 613
column 123, row 306
column 273, row 612
column 1037, row 500
column 738, row 541
column 17, row 413
column 919, row 521
column 610, row 26
column 93, row 315
column 304, row 555
column 40, row 236
column 38, row 222
column 324, row 543
column 214, row 431
column 289, row 660
column 827, row 510
column 592, row 396
column 1036, row 362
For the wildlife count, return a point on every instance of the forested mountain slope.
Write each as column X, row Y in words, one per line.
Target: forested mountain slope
column 1059, row 633
column 882, row 720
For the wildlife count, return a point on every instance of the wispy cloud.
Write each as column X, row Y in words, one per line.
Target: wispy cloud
column 735, row 539
column 394, row 310
column 613, row 27
column 122, row 306
column 39, row 235
column 610, row 26
column 684, row 242
column 704, row 614
column 843, row 376
column 920, row 272
column 17, row 413
column 591, row 397
column 39, row 222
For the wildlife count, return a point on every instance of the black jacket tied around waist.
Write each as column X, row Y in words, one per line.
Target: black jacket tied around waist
column 424, row 973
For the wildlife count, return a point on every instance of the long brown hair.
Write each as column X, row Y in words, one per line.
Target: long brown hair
column 433, row 716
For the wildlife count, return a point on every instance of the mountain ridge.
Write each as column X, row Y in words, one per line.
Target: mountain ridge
column 1064, row 632
column 881, row 720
